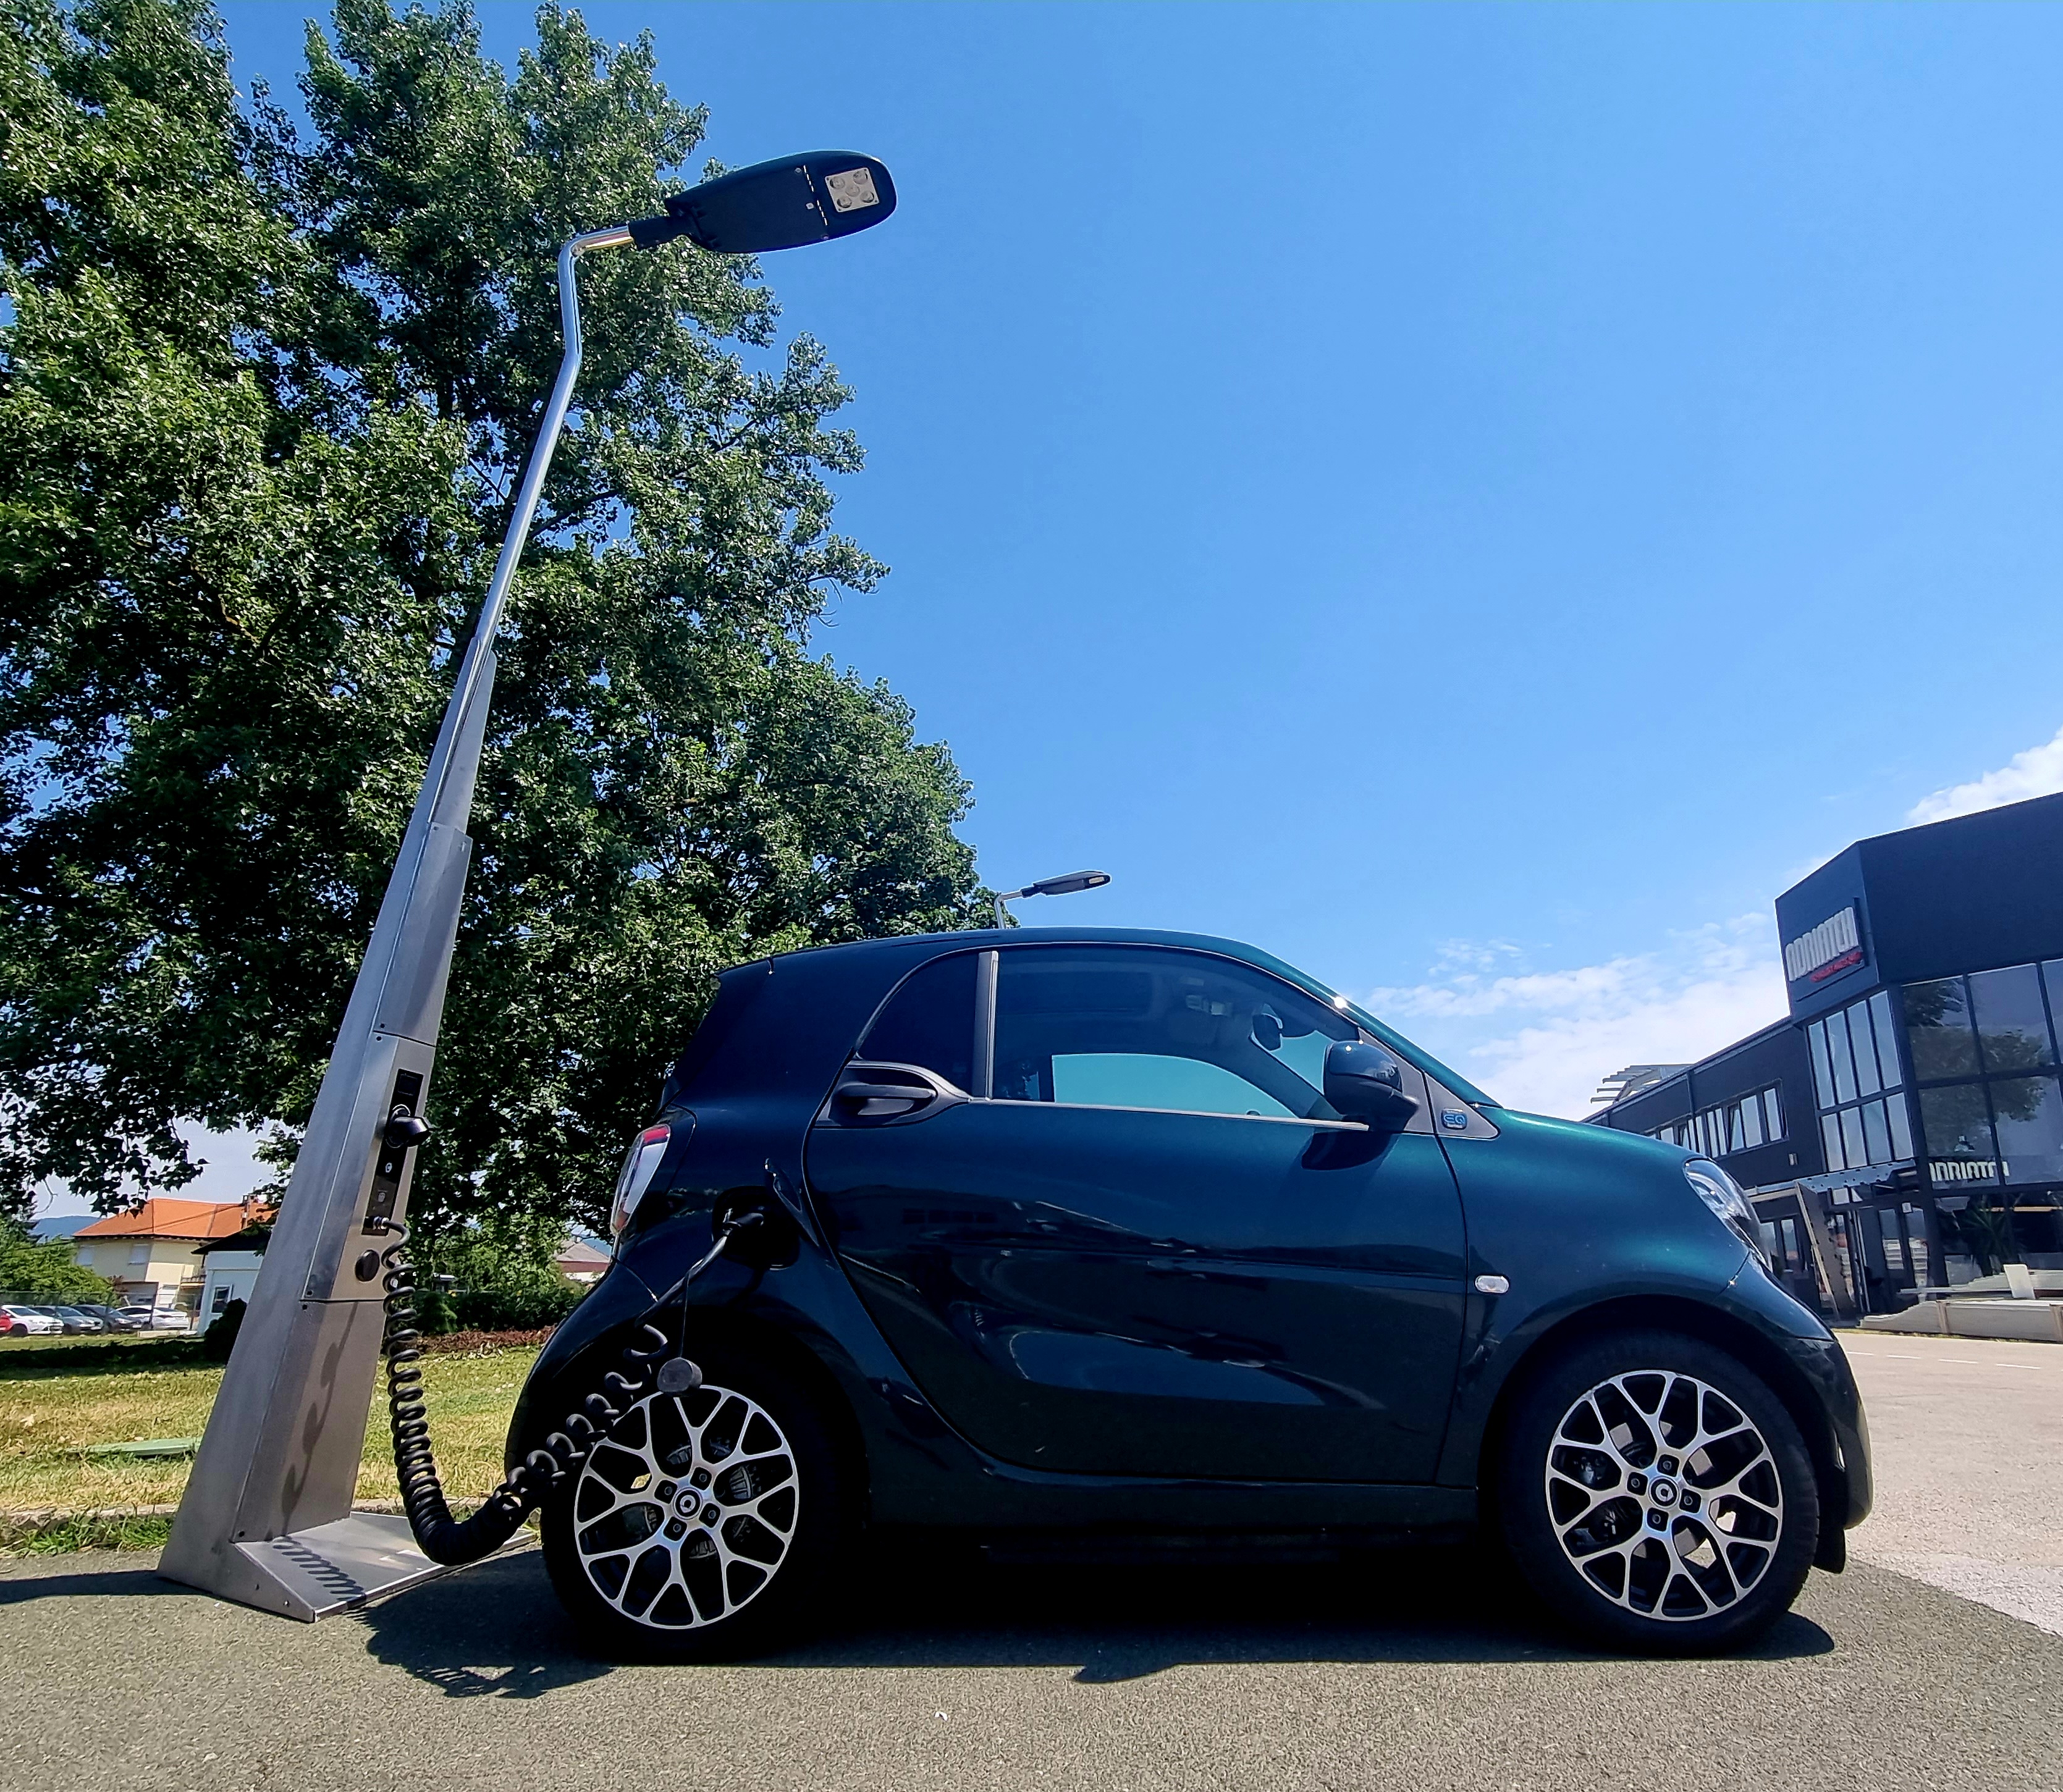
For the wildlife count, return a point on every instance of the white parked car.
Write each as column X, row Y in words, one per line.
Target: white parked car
column 158, row 1319
column 26, row 1322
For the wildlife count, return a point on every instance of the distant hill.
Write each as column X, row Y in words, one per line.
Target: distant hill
column 62, row 1225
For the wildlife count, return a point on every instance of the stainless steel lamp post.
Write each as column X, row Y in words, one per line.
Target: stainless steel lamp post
column 267, row 1518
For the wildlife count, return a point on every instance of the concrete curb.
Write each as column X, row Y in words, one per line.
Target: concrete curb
column 2034, row 1321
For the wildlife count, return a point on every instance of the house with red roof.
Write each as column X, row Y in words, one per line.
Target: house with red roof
column 582, row 1260
column 153, row 1254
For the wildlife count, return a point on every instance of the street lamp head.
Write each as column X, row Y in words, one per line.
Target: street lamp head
column 1067, row 886
column 782, row 204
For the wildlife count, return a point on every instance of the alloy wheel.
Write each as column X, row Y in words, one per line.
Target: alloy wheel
column 1664, row 1495
column 684, row 1513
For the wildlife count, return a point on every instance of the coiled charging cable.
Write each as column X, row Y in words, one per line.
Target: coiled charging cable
column 453, row 1541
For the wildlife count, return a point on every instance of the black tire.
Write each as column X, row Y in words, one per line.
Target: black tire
column 647, row 1581
column 1617, row 1435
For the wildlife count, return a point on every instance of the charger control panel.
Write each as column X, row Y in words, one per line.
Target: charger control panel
column 393, row 1164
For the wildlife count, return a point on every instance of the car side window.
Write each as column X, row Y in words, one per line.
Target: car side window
column 929, row 1021
column 1133, row 1027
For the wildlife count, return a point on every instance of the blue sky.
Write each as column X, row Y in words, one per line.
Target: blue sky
column 1474, row 499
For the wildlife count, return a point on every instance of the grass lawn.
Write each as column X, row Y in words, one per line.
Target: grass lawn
column 123, row 1391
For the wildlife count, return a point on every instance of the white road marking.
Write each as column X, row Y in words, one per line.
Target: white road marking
column 1970, row 1362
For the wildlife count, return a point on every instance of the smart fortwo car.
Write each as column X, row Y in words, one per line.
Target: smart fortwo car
column 1124, row 1235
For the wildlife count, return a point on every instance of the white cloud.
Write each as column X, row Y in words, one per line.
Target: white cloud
column 1543, row 1039
column 2038, row 772
column 1557, row 1033
column 1471, row 954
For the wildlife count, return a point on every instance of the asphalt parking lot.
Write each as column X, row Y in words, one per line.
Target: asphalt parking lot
column 1968, row 1436
column 1419, row 1669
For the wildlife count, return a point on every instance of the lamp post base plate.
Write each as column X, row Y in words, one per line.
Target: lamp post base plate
column 327, row 1568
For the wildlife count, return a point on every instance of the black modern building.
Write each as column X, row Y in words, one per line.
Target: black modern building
column 1903, row 1128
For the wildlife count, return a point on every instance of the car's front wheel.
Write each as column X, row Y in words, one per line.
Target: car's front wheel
column 707, row 1524
column 1657, row 1494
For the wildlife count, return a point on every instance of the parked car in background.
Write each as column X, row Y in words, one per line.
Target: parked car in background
column 107, row 1316
column 158, row 1319
column 29, row 1322
column 77, row 1321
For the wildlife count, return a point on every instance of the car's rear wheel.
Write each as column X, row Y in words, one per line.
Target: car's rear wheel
column 1658, row 1496
column 708, row 1524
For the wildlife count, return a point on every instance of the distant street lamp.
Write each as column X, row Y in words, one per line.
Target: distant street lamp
column 267, row 1518
column 1064, row 885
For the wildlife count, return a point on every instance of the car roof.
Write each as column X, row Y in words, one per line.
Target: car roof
column 838, row 986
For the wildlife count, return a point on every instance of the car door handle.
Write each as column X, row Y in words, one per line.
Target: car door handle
column 881, row 1091
column 890, row 1092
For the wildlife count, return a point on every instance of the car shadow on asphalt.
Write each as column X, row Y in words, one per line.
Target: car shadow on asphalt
column 497, row 1630
column 905, row 1609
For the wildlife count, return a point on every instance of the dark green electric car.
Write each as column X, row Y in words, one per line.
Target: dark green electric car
column 1099, row 1232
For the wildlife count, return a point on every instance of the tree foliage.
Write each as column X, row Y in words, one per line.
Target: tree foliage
column 264, row 399
column 45, row 1269
column 504, row 1277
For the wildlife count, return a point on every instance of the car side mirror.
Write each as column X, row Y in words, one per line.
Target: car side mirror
column 1363, row 1083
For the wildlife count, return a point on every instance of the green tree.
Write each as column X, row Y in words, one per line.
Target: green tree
column 45, row 1269
column 504, row 1276
column 264, row 398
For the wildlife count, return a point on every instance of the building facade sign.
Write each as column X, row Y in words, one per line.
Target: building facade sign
column 1826, row 951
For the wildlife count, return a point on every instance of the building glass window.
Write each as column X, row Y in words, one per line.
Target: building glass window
column 1867, row 1082
column 1983, row 1046
column 1858, row 1082
column 1956, row 1122
column 1844, row 1060
column 1937, row 1028
column 2028, row 1114
column 2012, row 1032
column 1740, row 1125
column 1887, row 1040
column 1851, row 1136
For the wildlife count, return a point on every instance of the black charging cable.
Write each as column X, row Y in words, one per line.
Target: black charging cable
column 453, row 1541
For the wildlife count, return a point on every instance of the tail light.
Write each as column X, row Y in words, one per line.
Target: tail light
column 640, row 1163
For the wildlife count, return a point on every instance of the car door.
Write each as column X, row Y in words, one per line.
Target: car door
column 1094, row 1199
